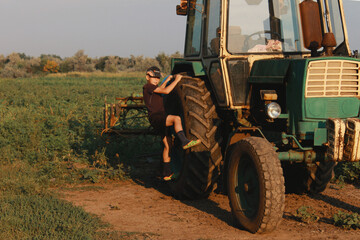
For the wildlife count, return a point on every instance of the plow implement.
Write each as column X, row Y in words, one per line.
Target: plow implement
column 127, row 116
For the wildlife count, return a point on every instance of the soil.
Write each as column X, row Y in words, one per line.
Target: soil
column 144, row 208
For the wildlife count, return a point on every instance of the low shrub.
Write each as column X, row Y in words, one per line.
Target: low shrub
column 348, row 172
column 306, row 214
column 347, row 220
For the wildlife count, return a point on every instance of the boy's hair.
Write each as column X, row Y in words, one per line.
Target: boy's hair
column 155, row 70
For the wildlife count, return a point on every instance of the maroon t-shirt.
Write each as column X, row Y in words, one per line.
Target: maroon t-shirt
column 153, row 101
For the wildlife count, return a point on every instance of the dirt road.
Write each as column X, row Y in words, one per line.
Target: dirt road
column 143, row 208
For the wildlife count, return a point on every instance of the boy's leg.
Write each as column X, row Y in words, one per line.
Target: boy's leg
column 172, row 120
column 166, row 157
column 166, row 164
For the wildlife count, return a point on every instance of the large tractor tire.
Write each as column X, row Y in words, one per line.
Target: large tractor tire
column 255, row 185
column 311, row 178
column 196, row 169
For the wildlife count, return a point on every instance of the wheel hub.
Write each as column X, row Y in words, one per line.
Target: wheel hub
column 246, row 187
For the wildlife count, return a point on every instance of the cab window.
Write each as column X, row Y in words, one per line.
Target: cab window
column 194, row 28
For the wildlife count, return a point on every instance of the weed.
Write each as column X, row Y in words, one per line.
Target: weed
column 93, row 175
column 347, row 220
column 348, row 172
column 306, row 214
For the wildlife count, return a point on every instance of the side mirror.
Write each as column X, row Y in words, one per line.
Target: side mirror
column 311, row 25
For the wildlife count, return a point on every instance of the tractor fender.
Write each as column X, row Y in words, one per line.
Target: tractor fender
column 192, row 68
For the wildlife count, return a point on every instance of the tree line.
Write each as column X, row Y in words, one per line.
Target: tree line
column 19, row 65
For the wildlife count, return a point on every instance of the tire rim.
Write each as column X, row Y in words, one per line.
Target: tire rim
column 247, row 187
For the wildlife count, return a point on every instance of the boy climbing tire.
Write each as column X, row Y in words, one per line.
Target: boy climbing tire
column 196, row 169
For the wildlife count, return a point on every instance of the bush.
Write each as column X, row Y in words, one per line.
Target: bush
column 20, row 66
column 111, row 64
column 15, row 67
column 34, row 66
column 14, row 71
column 81, row 62
column 140, row 64
column 51, row 67
column 66, row 66
column 2, row 62
column 100, row 63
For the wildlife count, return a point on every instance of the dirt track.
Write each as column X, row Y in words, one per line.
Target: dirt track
column 144, row 207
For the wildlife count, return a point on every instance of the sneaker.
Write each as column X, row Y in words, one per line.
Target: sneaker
column 168, row 178
column 192, row 143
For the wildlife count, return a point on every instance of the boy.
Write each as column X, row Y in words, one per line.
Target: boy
column 157, row 116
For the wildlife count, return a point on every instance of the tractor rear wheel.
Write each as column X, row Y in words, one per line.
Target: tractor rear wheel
column 255, row 185
column 196, row 169
column 311, row 177
column 319, row 175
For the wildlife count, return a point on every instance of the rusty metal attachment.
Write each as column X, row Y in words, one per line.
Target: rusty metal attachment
column 343, row 140
column 127, row 116
column 329, row 42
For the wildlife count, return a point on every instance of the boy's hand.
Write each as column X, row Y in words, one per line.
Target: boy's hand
column 169, row 78
column 178, row 77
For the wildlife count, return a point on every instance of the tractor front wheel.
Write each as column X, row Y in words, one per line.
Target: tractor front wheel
column 255, row 185
column 307, row 177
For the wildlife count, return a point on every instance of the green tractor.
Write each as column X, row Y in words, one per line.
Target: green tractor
column 272, row 91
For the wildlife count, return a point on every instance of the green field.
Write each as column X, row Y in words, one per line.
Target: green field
column 49, row 126
column 50, row 136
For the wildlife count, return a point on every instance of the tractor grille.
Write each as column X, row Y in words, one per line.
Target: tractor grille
column 333, row 78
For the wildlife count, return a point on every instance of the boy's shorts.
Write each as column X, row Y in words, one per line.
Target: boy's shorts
column 158, row 121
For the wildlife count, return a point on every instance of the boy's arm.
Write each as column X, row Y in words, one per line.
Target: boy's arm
column 169, row 88
column 163, row 85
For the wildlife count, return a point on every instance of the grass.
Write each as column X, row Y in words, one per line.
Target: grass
column 55, row 121
column 28, row 210
column 44, row 217
column 49, row 135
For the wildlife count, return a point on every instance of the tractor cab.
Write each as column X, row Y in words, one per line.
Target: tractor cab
column 228, row 36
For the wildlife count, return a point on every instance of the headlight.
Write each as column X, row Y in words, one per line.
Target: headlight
column 273, row 110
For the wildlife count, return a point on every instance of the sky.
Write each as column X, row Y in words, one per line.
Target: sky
column 107, row 27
